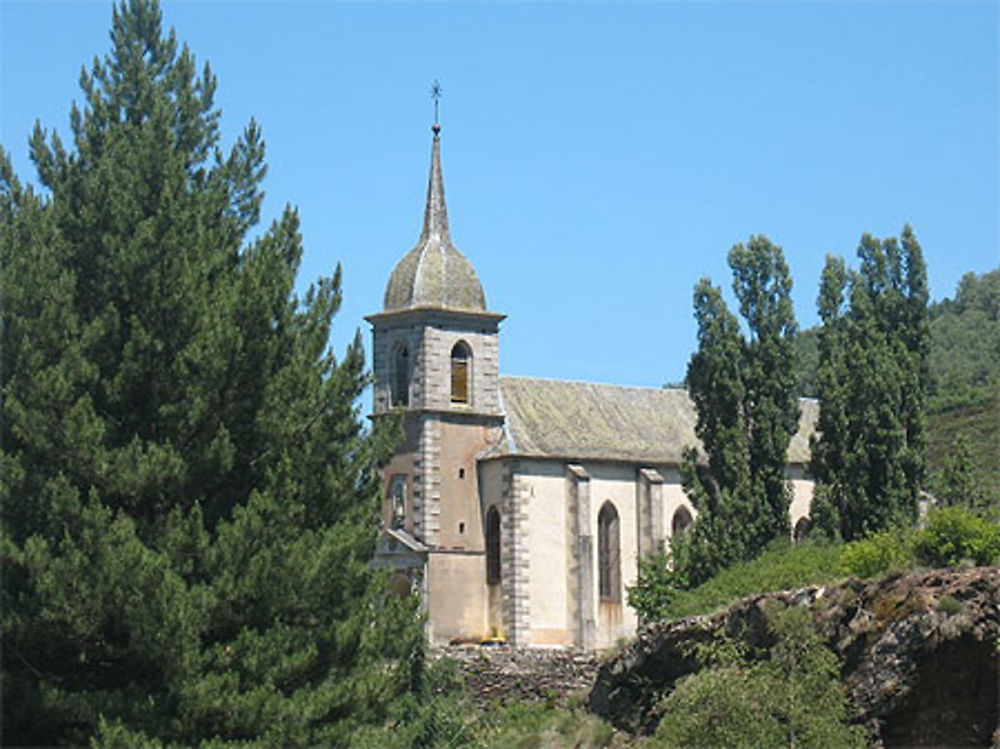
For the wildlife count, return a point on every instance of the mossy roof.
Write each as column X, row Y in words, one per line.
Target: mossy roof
column 592, row 421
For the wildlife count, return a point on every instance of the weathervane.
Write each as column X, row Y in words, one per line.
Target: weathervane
column 436, row 96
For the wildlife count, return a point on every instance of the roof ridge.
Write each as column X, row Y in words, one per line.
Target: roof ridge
column 594, row 384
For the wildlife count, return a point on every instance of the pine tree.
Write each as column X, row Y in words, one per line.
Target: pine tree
column 743, row 388
column 189, row 497
column 868, row 457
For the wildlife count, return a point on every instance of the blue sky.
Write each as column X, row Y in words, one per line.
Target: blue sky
column 598, row 159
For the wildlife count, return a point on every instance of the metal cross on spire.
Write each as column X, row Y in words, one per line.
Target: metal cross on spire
column 436, row 96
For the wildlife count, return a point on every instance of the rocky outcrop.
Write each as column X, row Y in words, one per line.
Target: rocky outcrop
column 919, row 655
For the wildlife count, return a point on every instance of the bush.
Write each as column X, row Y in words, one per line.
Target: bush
column 655, row 592
column 954, row 535
column 793, row 698
column 887, row 551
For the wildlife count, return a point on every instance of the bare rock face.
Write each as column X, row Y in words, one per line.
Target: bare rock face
column 919, row 655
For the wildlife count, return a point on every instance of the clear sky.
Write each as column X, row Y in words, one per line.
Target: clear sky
column 598, row 158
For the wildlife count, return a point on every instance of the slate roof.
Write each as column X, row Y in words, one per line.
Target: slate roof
column 591, row 421
column 434, row 274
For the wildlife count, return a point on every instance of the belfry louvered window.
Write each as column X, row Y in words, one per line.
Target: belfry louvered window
column 401, row 376
column 492, row 546
column 609, row 554
column 461, row 372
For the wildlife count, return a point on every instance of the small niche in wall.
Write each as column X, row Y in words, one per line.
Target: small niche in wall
column 461, row 527
column 461, row 473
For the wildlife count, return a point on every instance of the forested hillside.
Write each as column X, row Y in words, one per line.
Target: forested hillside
column 965, row 351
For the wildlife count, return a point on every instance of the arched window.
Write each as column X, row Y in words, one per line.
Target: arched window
column 682, row 521
column 608, row 554
column 492, row 546
column 397, row 494
column 802, row 528
column 401, row 376
column 461, row 372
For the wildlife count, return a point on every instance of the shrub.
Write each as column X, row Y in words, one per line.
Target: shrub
column 950, row 605
column 656, row 590
column 882, row 552
column 793, row 698
column 955, row 535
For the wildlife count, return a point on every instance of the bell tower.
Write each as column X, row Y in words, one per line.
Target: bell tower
column 436, row 361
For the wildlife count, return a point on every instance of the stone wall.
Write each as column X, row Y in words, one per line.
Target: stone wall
column 500, row 674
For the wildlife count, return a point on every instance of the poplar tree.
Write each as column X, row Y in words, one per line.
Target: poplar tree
column 868, row 456
column 957, row 483
column 188, row 495
column 743, row 388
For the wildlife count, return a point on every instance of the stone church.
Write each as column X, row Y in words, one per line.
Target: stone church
column 519, row 507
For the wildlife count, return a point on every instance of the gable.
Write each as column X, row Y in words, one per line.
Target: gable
column 397, row 549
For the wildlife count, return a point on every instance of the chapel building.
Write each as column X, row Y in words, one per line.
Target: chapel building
column 519, row 507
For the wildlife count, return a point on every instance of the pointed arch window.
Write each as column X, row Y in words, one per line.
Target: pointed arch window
column 802, row 528
column 492, row 546
column 397, row 495
column 681, row 522
column 609, row 554
column 401, row 376
column 461, row 372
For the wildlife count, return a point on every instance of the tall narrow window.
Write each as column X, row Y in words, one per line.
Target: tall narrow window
column 461, row 370
column 401, row 376
column 492, row 546
column 682, row 521
column 397, row 494
column 609, row 554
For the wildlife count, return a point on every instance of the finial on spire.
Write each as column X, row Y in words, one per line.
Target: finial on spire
column 436, row 96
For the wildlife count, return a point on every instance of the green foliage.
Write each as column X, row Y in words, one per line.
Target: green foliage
column 963, row 387
column 657, row 594
column 886, row 551
column 657, row 588
column 954, row 536
column 950, row 605
column 541, row 726
column 957, row 482
column 188, row 495
column 807, row 362
column 743, row 388
column 978, row 427
column 964, row 356
column 965, row 350
column 793, row 698
column 869, row 454
column 443, row 716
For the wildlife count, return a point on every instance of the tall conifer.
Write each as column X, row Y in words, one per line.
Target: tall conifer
column 743, row 388
column 868, row 455
column 188, row 495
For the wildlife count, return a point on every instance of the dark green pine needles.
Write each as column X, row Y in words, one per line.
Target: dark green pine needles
column 188, row 495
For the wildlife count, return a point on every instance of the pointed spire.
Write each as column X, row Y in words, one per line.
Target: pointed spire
column 436, row 212
column 434, row 274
